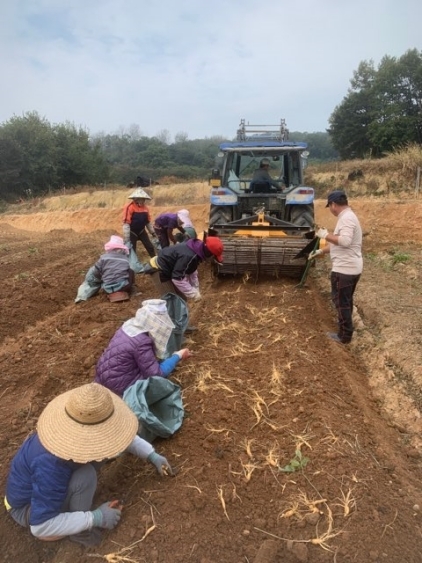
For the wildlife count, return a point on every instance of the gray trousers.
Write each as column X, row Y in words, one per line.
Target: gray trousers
column 80, row 494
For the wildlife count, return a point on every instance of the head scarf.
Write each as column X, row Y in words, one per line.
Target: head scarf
column 154, row 319
column 184, row 216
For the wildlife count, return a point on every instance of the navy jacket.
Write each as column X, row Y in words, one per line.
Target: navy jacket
column 39, row 479
column 180, row 260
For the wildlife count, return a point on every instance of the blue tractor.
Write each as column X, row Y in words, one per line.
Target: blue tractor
column 260, row 206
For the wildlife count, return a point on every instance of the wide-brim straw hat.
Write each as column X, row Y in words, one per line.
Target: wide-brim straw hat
column 89, row 423
column 139, row 193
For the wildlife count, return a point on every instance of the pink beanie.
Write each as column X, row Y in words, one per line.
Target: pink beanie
column 116, row 243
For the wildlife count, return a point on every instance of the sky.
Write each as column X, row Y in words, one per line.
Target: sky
column 193, row 67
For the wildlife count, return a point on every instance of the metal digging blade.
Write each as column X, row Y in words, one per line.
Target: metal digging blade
column 267, row 256
column 304, row 253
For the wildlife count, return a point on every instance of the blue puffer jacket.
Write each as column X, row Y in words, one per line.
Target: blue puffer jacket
column 128, row 359
column 40, row 479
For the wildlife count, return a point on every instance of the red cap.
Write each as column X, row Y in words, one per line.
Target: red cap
column 215, row 246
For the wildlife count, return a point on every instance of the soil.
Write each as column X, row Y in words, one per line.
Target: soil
column 265, row 391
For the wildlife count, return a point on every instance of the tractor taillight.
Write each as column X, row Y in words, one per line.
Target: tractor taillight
column 304, row 191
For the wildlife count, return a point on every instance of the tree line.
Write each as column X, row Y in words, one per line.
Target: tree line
column 382, row 111
column 37, row 157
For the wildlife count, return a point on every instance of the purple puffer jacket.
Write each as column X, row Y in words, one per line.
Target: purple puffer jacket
column 125, row 360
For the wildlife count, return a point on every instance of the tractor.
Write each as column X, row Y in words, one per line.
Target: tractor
column 260, row 207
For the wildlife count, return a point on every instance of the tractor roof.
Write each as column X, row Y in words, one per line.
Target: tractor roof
column 263, row 144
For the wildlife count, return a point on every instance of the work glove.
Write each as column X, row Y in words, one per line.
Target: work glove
column 321, row 233
column 161, row 464
column 184, row 354
column 314, row 254
column 126, row 232
column 105, row 516
column 150, row 229
column 156, row 243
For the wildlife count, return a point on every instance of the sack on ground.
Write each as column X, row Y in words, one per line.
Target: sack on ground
column 134, row 262
column 89, row 287
column 179, row 314
column 157, row 403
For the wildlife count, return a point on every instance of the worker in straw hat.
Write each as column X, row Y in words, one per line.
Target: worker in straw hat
column 138, row 349
column 137, row 221
column 53, row 476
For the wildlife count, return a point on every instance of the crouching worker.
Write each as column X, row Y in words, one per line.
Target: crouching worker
column 53, row 476
column 137, row 349
column 190, row 231
column 179, row 264
column 113, row 268
column 164, row 226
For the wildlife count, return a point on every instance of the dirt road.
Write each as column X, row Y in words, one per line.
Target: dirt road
column 264, row 388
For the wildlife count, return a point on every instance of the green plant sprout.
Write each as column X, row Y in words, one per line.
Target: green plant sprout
column 298, row 462
column 401, row 257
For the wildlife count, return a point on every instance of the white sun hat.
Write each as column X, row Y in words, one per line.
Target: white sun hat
column 139, row 193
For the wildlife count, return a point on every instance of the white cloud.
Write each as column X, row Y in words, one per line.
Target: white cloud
column 197, row 66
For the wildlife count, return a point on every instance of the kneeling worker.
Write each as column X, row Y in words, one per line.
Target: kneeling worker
column 53, row 476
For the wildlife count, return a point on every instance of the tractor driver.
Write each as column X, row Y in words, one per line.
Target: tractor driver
column 262, row 176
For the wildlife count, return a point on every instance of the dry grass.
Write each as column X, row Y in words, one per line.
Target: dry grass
column 124, row 554
column 272, row 458
column 347, row 502
column 115, row 196
column 321, row 540
column 220, row 494
column 206, row 382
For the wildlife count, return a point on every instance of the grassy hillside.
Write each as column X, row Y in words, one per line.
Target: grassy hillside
column 396, row 174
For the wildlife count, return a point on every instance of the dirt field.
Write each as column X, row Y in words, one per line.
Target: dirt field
column 264, row 383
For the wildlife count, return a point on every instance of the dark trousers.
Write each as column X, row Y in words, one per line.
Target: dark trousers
column 342, row 289
column 146, row 241
column 163, row 237
column 128, row 287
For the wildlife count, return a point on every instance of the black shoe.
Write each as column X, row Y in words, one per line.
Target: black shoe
column 334, row 337
column 337, row 338
column 190, row 329
column 88, row 538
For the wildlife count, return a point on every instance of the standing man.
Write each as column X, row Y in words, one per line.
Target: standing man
column 137, row 221
column 345, row 249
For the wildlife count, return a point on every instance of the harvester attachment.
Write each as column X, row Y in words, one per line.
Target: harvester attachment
column 262, row 245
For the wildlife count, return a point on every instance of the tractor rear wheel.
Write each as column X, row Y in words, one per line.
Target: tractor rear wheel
column 220, row 215
column 303, row 215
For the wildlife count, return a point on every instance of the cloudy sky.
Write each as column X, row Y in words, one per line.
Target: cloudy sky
column 193, row 66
